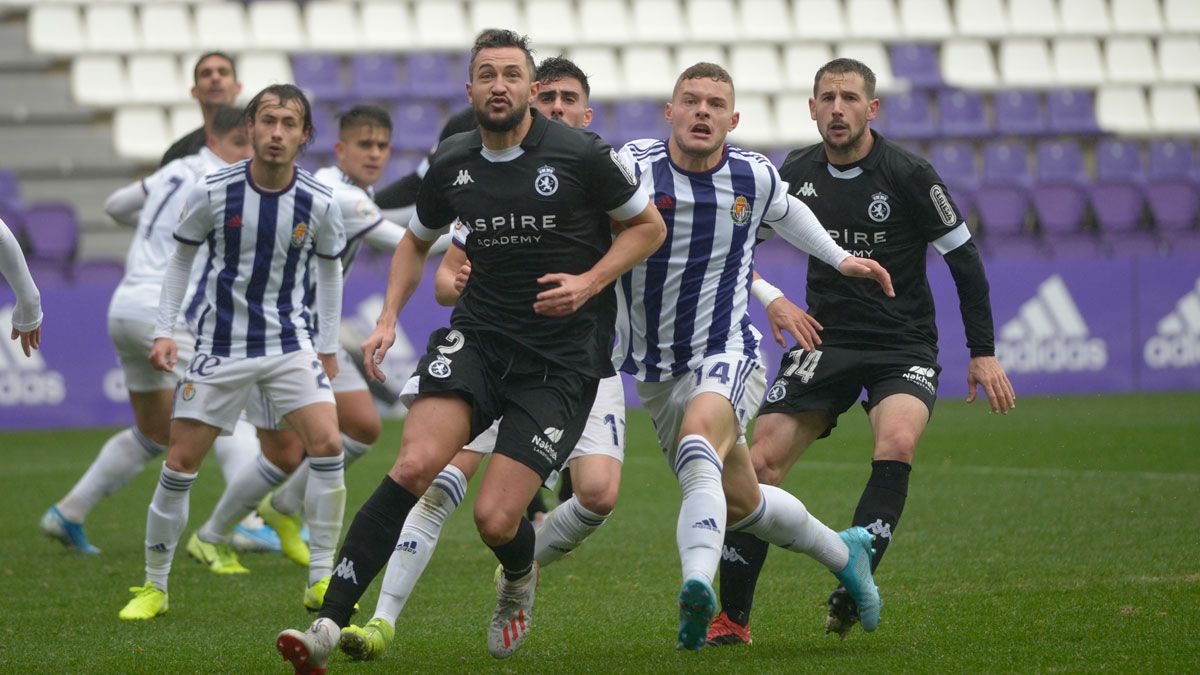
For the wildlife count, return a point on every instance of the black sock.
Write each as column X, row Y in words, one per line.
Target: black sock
column 536, row 505
column 882, row 502
column 742, row 559
column 368, row 545
column 516, row 556
column 564, row 485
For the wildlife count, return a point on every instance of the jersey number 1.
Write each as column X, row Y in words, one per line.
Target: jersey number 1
column 804, row 365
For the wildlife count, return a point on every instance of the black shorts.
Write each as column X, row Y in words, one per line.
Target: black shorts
column 830, row 380
column 544, row 406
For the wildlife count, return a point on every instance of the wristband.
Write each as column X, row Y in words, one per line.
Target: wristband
column 764, row 292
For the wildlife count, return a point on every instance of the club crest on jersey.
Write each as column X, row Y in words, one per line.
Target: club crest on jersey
column 777, row 392
column 546, row 182
column 189, row 391
column 366, row 210
column 879, row 210
column 740, row 211
column 299, row 232
column 440, row 367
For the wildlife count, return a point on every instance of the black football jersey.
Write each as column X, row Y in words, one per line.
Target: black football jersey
column 529, row 211
column 888, row 207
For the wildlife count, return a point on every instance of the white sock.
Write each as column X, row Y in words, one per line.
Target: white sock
column 237, row 450
column 700, row 530
column 289, row 499
column 252, row 482
column 565, row 528
column 417, row 541
column 781, row 519
column 324, row 507
column 165, row 520
column 121, row 458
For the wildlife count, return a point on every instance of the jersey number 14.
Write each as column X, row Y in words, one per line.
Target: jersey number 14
column 804, row 365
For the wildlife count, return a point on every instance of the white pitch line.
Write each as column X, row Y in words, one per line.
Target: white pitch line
column 1016, row 472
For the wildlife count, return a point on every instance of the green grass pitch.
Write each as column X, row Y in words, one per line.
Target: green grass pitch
column 1061, row 537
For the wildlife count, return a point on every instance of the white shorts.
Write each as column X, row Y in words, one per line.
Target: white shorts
column 262, row 415
column 739, row 378
column 217, row 388
column 604, row 433
column 133, row 339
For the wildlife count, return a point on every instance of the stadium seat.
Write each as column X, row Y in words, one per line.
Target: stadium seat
column 764, row 21
column 555, row 18
column 1174, row 109
column 386, row 25
column 325, row 125
column 1002, row 199
column 1171, row 185
column 440, row 25
column 657, row 22
column 883, row 23
column 755, row 68
column 417, row 126
column 436, row 75
column 690, row 55
column 875, row 56
column 98, row 272
column 167, row 28
column 333, row 26
column 1077, row 62
column 1025, row 62
column 183, row 119
column 796, row 128
column 1071, row 111
column 649, row 71
column 910, row 115
column 1058, row 194
column 1019, row 112
column 55, row 29
column 1136, row 17
column 52, row 232
column 376, row 77
column 110, row 28
column 1133, row 244
column 1011, row 247
column 494, row 13
column 711, row 21
column 153, row 78
column 256, row 70
column 801, row 63
column 968, row 64
column 1116, row 193
column 916, row 64
column 980, row 18
column 603, row 71
column 818, row 20
column 1122, row 109
column 275, row 24
column 1181, row 16
column 1129, row 60
column 1179, row 59
column 604, row 22
column 49, row 273
column 638, row 119
column 925, row 20
column 320, row 75
column 221, row 26
column 140, row 133
column 1033, row 18
column 756, row 127
column 1084, row 17
column 99, row 80
column 962, row 113
column 955, row 163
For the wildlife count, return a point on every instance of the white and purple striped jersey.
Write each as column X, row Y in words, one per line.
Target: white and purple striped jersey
column 360, row 215
column 688, row 299
column 256, row 280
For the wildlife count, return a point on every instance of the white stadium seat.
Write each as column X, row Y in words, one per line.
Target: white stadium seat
column 55, row 29
column 440, row 25
column 756, row 123
column 604, row 22
column 111, row 28
column 968, row 64
column 649, row 71
column 1129, row 60
column 801, row 63
column 1033, row 18
column 1136, row 17
column 154, row 78
column 221, row 26
column 657, row 22
column 874, row 19
column 980, row 18
column 498, row 14
column 1025, row 62
column 687, row 56
column 167, row 28
column 1181, row 16
column 183, row 119
column 386, row 25
column 1179, row 59
column 796, row 126
column 756, row 68
column 1084, row 17
column 819, row 20
column 99, row 80
column 555, row 18
column 140, row 133
column 712, row 21
column 333, row 26
column 764, row 20
column 256, row 70
column 875, row 56
column 1174, row 109
column 926, row 20
column 1077, row 62
column 1122, row 109
column 275, row 24
column 603, row 71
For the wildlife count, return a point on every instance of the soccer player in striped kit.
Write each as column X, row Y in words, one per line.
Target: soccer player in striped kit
column 690, row 345
column 263, row 221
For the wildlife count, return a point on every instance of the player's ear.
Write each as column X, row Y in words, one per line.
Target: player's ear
column 667, row 112
column 812, row 107
column 733, row 121
column 587, row 117
column 196, row 91
column 339, row 148
column 237, row 90
column 872, row 109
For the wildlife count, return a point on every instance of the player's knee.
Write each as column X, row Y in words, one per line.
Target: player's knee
column 365, row 429
column 414, row 473
column 495, row 528
column 898, row 445
column 768, row 470
column 600, row 499
column 325, row 445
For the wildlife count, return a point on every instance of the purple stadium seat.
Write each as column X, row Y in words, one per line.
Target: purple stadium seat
column 49, row 272
column 1171, row 189
column 1071, row 112
column 325, row 124
column 1170, row 159
column 917, row 63
column 1006, row 163
column 637, row 119
column 321, row 76
column 416, row 125
column 1138, row 244
column 1012, row 248
column 99, row 273
column 52, row 232
column 377, row 77
column 1002, row 201
column 10, row 188
column 1058, row 195
column 955, row 163
column 1019, row 113
column 963, row 114
column 14, row 218
column 436, row 75
column 910, row 115
column 1117, row 193
column 1060, row 162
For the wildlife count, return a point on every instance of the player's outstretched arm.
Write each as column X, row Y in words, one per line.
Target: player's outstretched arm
column 800, row 227
column 451, row 277
column 403, row 279
column 986, row 372
column 124, row 203
column 865, row 268
column 785, row 316
column 639, row 236
column 27, row 316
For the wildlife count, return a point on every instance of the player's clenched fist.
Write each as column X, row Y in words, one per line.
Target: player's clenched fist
column 164, row 354
column 374, row 349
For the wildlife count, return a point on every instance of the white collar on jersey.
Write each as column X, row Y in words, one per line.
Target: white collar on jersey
column 505, row 155
column 852, row 172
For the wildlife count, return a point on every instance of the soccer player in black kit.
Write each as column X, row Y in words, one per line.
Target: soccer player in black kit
column 528, row 341
column 882, row 202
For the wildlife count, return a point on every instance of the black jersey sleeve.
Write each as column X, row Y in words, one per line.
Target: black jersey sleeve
column 399, row 194
column 433, row 213
column 973, row 300
column 932, row 208
column 612, row 183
